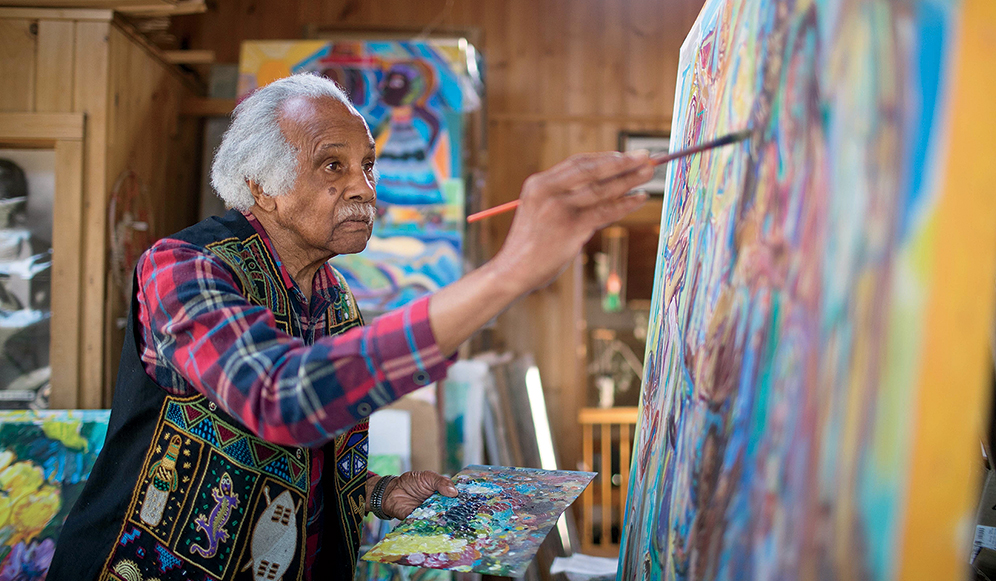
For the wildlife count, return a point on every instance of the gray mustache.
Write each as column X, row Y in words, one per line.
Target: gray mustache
column 364, row 212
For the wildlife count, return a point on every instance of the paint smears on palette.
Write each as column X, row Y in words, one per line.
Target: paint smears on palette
column 495, row 525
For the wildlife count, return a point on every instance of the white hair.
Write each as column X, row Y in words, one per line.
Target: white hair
column 254, row 148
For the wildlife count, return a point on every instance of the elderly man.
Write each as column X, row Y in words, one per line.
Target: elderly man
column 237, row 443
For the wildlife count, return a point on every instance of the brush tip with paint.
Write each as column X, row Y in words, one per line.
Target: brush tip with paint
column 735, row 137
column 742, row 135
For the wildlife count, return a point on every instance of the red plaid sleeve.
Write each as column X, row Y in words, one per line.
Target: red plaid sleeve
column 198, row 332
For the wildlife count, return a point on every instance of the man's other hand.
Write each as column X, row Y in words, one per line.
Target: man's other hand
column 408, row 491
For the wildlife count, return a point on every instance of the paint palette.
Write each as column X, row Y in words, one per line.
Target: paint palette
column 495, row 525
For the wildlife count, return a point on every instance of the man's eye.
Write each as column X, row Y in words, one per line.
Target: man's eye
column 334, row 166
column 368, row 166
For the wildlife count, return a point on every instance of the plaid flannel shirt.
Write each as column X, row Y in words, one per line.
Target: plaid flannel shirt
column 199, row 334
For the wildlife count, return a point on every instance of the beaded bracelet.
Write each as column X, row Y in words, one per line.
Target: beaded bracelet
column 377, row 497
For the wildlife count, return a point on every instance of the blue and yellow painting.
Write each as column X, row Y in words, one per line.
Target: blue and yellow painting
column 45, row 459
column 414, row 97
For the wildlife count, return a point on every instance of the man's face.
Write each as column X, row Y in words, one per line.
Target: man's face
column 331, row 206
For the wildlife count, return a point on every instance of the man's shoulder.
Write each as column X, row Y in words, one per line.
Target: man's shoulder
column 194, row 245
column 215, row 229
column 339, row 280
column 337, row 276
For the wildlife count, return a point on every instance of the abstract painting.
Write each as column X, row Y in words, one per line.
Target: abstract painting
column 45, row 459
column 414, row 97
column 494, row 526
column 820, row 290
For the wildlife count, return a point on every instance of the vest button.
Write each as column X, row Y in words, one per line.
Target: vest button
column 212, row 406
column 300, row 453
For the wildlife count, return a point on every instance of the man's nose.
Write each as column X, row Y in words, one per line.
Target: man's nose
column 361, row 189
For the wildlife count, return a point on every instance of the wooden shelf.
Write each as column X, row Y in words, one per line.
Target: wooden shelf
column 75, row 14
column 189, row 57
column 181, row 8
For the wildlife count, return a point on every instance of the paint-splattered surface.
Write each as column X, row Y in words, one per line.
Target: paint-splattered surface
column 494, row 526
column 413, row 96
column 791, row 293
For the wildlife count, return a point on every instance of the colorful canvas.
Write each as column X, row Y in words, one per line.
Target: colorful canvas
column 413, row 96
column 45, row 459
column 816, row 295
column 494, row 526
column 463, row 410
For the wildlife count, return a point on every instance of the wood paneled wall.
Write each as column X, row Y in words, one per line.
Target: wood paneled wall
column 562, row 76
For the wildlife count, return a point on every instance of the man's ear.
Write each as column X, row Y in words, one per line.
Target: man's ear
column 265, row 202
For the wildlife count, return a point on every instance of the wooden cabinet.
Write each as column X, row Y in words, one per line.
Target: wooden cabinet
column 84, row 83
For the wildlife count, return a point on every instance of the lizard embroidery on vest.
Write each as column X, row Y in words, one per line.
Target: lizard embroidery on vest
column 214, row 524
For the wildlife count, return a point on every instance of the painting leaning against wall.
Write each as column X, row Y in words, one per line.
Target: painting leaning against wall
column 796, row 282
column 45, row 459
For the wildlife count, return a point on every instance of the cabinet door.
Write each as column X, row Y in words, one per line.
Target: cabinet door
column 41, row 178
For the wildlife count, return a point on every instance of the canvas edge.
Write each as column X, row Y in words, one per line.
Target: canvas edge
column 687, row 47
column 954, row 392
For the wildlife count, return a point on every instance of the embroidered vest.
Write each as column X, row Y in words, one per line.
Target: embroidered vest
column 183, row 491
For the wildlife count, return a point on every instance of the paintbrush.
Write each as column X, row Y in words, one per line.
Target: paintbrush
column 658, row 159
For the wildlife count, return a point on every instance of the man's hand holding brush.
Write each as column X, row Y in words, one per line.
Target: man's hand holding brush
column 559, row 210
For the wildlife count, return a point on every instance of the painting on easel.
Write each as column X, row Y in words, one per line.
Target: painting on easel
column 797, row 356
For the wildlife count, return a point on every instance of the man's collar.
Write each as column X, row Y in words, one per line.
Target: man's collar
column 324, row 281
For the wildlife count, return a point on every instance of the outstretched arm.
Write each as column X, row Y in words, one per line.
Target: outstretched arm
column 198, row 329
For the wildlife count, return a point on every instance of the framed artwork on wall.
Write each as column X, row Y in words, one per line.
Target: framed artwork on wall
column 654, row 142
